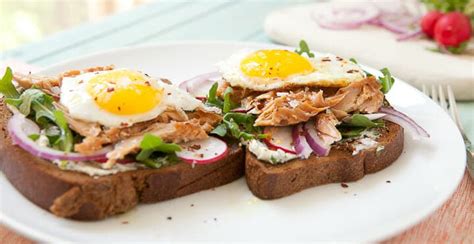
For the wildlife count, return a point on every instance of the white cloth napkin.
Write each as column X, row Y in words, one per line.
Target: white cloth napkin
column 409, row 60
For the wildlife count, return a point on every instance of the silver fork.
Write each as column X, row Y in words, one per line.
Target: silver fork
column 438, row 94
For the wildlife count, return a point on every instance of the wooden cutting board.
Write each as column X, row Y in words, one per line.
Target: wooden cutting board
column 409, row 60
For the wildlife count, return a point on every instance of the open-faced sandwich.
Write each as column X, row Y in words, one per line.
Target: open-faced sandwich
column 87, row 144
column 306, row 118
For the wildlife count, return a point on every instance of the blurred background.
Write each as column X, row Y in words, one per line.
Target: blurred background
column 24, row 21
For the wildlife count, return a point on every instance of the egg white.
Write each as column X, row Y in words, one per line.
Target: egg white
column 81, row 104
column 334, row 71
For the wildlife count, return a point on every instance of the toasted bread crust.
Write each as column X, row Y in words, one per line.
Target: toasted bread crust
column 267, row 181
column 78, row 196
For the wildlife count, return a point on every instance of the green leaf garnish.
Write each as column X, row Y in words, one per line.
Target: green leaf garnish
column 6, row 85
column 151, row 144
column 349, row 132
column 158, row 162
column 239, row 126
column 34, row 137
column 447, row 5
column 386, row 80
column 353, row 60
column 212, row 98
column 359, row 120
column 304, row 48
column 228, row 104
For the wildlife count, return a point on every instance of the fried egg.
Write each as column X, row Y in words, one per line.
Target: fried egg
column 264, row 70
column 121, row 97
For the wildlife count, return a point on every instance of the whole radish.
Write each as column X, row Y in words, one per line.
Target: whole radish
column 428, row 22
column 452, row 29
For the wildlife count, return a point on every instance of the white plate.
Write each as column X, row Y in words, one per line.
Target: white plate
column 424, row 176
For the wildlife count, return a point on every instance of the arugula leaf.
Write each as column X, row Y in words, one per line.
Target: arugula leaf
column 6, row 86
column 386, row 80
column 158, row 162
column 353, row 60
column 34, row 137
column 239, row 126
column 359, row 120
column 220, row 130
column 212, row 98
column 228, row 103
column 151, row 144
column 304, row 48
column 348, row 132
column 65, row 140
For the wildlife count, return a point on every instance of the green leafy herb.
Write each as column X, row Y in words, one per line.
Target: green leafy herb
column 273, row 159
column 359, row 120
column 212, row 98
column 228, row 103
column 386, row 80
column 239, row 126
column 36, row 103
column 353, row 60
column 349, row 132
column 220, row 130
column 6, row 86
column 151, row 144
column 446, row 5
column 459, row 49
column 34, row 137
column 304, row 48
column 158, row 162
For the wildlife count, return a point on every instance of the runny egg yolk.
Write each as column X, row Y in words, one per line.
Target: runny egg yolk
column 275, row 64
column 123, row 92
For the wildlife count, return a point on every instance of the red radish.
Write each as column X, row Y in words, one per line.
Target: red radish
column 280, row 138
column 452, row 29
column 428, row 22
column 204, row 151
column 302, row 147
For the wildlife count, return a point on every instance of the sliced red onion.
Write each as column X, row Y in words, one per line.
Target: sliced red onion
column 318, row 146
column 280, row 138
column 20, row 128
column 403, row 120
column 409, row 35
column 199, row 86
column 302, row 147
column 205, row 151
column 400, row 23
column 344, row 17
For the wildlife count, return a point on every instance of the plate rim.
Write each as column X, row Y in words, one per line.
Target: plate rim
column 414, row 219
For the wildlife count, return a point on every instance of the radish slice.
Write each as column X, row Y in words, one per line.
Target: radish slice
column 20, row 128
column 280, row 138
column 204, row 151
column 302, row 147
column 199, row 86
column 318, row 146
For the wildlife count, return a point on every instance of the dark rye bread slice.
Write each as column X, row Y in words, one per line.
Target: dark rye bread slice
column 268, row 181
column 78, row 196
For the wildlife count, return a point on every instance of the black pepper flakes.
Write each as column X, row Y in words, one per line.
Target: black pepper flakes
column 110, row 89
column 388, row 181
column 169, row 218
column 344, row 185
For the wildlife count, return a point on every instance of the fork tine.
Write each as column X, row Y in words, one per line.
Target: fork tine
column 442, row 98
column 453, row 109
column 425, row 90
column 434, row 94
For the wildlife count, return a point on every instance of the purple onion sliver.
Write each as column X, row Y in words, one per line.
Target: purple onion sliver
column 390, row 111
column 319, row 148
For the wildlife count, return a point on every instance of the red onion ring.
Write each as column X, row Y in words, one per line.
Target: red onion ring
column 200, row 85
column 19, row 128
column 403, row 120
column 345, row 17
column 318, row 146
column 302, row 147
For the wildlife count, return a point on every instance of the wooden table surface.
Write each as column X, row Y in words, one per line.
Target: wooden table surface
column 236, row 21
